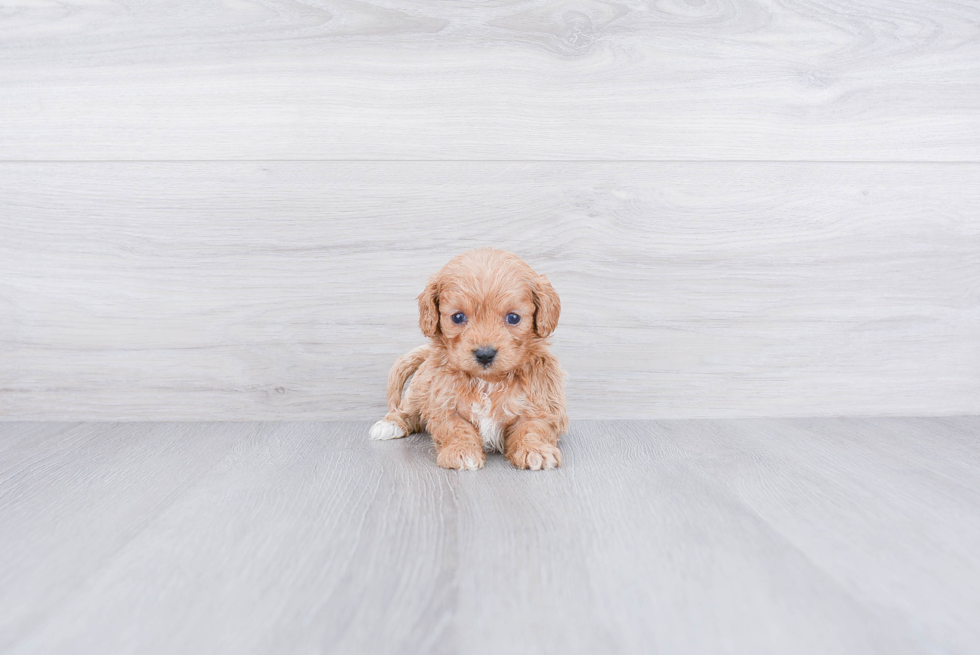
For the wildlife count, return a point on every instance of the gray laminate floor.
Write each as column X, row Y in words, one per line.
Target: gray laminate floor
column 749, row 536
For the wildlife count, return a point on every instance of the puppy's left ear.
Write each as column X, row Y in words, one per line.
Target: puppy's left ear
column 429, row 308
column 547, row 306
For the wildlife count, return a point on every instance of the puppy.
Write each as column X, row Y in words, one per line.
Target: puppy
column 485, row 381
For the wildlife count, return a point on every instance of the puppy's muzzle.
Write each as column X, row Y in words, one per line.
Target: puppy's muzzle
column 485, row 355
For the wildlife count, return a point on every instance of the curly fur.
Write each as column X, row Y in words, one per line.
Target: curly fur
column 517, row 403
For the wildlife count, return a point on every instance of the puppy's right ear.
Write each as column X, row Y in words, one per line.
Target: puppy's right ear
column 547, row 306
column 429, row 308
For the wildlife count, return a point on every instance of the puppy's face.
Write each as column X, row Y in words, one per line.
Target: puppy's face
column 487, row 307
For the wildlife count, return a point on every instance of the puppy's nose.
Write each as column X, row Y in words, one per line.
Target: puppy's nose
column 485, row 355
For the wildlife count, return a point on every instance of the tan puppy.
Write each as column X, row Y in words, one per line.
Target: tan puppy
column 486, row 380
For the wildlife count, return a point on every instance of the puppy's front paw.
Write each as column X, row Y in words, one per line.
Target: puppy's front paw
column 535, row 458
column 461, row 457
column 386, row 430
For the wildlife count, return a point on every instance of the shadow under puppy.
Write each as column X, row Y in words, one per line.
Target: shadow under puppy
column 486, row 380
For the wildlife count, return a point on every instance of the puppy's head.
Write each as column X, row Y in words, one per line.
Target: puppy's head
column 488, row 309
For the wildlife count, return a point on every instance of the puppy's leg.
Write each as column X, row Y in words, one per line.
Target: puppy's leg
column 458, row 444
column 400, row 421
column 403, row 408
column 389, row 428
column 397, row 423
column 533, row 444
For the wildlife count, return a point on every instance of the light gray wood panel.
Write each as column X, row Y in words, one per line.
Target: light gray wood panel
column 637, row 558
column 893, row 496
column 292, row 540
column 19, row 440
column 72, row 496
column 285, row 290
column 764, row 536
column 533, row 79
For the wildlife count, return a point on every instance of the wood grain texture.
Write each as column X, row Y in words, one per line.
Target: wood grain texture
column 532, row 79
column 72, row 496
column 763, row 536
column 202, row 291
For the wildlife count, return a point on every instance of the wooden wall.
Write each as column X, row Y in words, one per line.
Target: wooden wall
column 225, row 210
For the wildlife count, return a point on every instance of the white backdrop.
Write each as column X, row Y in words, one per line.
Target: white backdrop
column 225, row 210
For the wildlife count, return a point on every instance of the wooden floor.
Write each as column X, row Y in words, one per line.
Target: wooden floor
column 741, row 536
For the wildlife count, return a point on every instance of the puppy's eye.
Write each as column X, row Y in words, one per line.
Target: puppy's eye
column 513, row 319
column 459, row 318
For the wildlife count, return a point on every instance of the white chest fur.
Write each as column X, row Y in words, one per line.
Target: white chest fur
column 491, row 430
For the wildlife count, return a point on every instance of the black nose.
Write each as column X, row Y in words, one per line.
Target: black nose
column 485, row 355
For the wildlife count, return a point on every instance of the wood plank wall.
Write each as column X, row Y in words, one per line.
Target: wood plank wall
column 224, row 210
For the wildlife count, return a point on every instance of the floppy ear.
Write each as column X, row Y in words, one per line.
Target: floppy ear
column 547, row 306
column 429, row 308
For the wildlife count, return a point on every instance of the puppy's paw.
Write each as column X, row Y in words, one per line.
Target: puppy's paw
column 386, row 430
column 536, row 458
column 461, row 457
